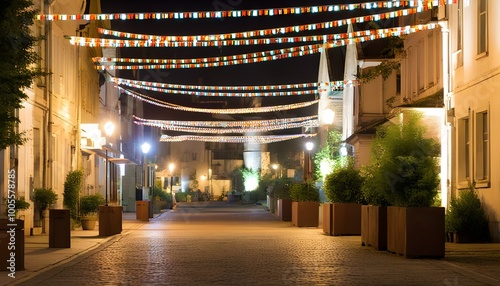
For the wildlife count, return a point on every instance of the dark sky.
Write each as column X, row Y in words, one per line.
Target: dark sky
column 295, row 70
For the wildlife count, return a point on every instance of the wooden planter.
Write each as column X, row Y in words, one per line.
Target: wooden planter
column 285, row 209
column 416, row 231
column 110, row 220
column 305, row 214
column 374, row 226
column 342, row 219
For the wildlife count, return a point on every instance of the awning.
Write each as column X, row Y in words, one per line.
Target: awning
column 113, row 155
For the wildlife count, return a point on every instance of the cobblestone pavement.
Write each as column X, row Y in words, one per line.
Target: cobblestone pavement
column 223, row 244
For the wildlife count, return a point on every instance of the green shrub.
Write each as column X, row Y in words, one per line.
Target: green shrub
column 72, row 187
column 304, row 192
column 281, row 188
column 89, row 205
column 344, row 186
column 181, row 197
column 43, row 198
column 465, row 215
column 403, row 171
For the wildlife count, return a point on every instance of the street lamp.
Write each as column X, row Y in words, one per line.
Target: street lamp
column 171, row 167
column 309, row 147
column 109, row 127
column 145, row 149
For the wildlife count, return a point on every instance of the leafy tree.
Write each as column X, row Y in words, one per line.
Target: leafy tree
column 72, row 187
column 393, row 54
column 43, row 198
column 329, row 155
column 17, row 67
column 403, row 171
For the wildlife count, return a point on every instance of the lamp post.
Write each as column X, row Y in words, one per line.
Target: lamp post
column 109, row 127
column 171, row 167
column 145, row 149
column 309, row 147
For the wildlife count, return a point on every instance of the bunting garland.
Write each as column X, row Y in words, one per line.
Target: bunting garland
column 269, row 12
column 310, row 123
column 264, row 109
column 265, row 139
column 333, row 85
column 224, row 94
column 227, row 124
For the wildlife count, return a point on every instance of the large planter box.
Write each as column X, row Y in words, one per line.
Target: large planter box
column 110, row 220
column 342, row 219
column 285, row 209
column 416, row 231
column 305, row 214
column 374, row 226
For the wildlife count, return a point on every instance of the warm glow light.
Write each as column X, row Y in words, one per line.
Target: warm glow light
column 145, row 148
column 309, row 146
column 171, row 167
column 109, row 127
column 328, row 116
column 275, row 166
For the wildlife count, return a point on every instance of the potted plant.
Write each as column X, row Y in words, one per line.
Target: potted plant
column 405, row 173
column 43, row 199
column 466, row 219
column 305, row 204
column 343, row 189
column 72, row 187
column 89, row 210
column 281, row 192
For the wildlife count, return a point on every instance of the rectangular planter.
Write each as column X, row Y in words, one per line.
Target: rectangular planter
column 110, row 220
column 342, row 219
column 374, row 227
column 416, row 231
column 305, row 214
column 285, row 209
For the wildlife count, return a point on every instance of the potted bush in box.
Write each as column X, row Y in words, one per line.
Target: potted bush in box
column 466, row 219
column 343, row 189
column 406, row 174
column 305, row 204
column 89, row 210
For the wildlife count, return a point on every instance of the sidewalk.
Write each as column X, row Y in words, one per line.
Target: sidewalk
column 38, row 257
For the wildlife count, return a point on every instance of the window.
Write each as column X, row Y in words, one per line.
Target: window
column 463, row 150
column 460, row 24
column 482, row 147
column 482, row 25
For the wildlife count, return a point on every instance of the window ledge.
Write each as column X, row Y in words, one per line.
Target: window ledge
column 482, row 184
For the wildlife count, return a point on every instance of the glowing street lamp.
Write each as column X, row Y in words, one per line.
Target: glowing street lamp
column 109, row 127
column 145, row 150
column 309, row 147
column 171, row 167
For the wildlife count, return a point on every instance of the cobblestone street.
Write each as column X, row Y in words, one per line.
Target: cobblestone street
column 223, row 244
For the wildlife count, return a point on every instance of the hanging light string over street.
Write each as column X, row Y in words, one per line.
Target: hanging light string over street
column 268, row 12
column 334, row 84
column 221, row 39
column 264, row 139
column 260, row 33
column 263, row 109
column 308, row 123
column 302, row 51
column 224, row 94
column 227, row 124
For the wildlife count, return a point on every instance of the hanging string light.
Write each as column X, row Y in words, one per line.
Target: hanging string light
column 227, row 124
column 303, row 51
column 263, row 109
column 269, row 12
column 309, row 123
column 223, row 94
column 264, row 139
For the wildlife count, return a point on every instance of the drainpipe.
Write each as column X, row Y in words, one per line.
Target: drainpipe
column 446, row 138
column 47, row 149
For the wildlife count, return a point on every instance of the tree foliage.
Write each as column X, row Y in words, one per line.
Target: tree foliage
column 17, row 65
column 403, row 171
column 72, row 187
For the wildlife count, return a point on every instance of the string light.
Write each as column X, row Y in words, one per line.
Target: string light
column 269, row 12
column 309, row 123
column 264, row 139
column 227, row 124
column 264, row 109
